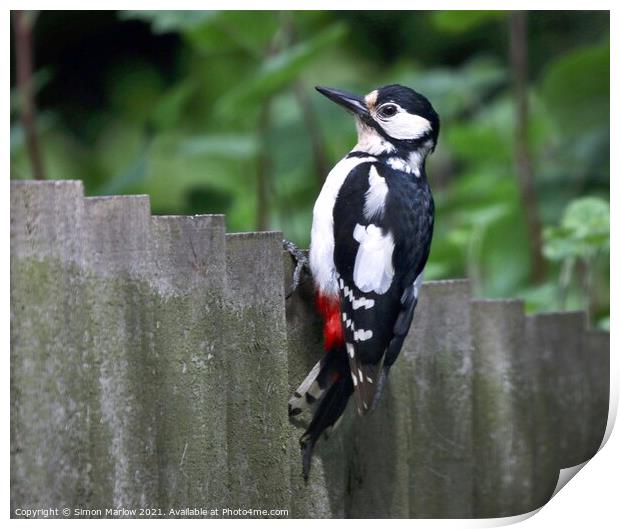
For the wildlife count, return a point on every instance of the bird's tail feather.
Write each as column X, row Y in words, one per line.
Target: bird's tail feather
column 380, row 386
column 327, row 414
column 325, row 391
column 309, row 391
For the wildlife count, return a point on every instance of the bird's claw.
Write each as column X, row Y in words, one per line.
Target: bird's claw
column 301, row 264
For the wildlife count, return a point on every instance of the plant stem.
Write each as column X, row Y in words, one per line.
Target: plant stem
column 525, row 173
column 23, row 54
column 588, row 284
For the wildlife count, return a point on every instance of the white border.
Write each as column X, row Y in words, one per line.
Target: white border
column 589, row 499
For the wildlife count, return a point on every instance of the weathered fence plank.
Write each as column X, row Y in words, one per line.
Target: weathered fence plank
column 189, row 274
column 597, row 365
column 258, row 431
column 152, row 359
column 546, row 466
column 378, row 454
column 563, row 363
column 502, row 430
column 121, row 312
column 439, row 352
column 50, row 368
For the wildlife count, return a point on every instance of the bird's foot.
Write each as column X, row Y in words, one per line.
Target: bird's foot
column 301, row 264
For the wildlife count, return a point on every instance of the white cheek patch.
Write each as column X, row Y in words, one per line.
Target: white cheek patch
column 373, row 270
column 405, row 126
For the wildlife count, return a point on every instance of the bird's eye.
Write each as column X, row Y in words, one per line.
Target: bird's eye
column 388, row 110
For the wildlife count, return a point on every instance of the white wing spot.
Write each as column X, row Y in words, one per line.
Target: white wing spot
column 362, row 335
column 344, row 316
column 351, row 350
column 361, row 375
column 354, row 379
column 373, row 270
column 363, row 302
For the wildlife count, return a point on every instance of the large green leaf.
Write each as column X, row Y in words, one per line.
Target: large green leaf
column 134, row 89
column 583, row 232
column 575, row 89
column 485, row 138
column 278, row 71
column 171, row 105
column 130, row 178
column 235, row 146
column 226, row 31
column 463, row 21
column 169, row 21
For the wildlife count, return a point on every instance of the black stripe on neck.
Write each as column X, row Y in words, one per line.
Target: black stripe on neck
column 359, row 154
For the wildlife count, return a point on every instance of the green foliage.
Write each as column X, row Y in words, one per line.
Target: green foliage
column 575, row 89
column 170, row 21
column 277, row 71
column 578, row 244
column 221, row 99
column 583, row 232
column 462, row 21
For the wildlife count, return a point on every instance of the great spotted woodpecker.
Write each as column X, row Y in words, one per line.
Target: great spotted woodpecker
column 371, row 235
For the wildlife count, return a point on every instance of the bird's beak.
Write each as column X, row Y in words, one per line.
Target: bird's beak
column 351, row 102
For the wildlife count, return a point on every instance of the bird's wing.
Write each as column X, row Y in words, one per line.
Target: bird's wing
column 382, row 231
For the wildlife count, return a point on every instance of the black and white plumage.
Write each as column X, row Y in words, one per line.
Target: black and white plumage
column 371, row 236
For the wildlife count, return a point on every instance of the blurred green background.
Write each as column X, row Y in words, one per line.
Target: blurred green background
column 215, row 112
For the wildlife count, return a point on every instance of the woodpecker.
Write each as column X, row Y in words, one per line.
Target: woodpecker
column 371, row 235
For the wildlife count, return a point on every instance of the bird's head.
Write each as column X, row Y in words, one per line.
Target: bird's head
column 391, row 119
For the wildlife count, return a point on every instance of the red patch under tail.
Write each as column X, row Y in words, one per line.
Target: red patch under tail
column 329, row 308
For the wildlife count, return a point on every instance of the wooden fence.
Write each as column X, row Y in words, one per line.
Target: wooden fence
column 152, row 358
